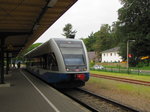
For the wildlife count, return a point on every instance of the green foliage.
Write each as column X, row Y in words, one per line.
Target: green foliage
column 134, row 24
column 90, row 42
column 68, row 32
column 21, row 57
column 31, row 48
column 123, row 75
column 135, row 13
column 92, row 64
column 101, row 40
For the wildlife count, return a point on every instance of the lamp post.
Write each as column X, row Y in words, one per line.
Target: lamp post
column 128, row 53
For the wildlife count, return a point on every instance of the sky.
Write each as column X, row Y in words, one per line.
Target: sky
column 86, row 16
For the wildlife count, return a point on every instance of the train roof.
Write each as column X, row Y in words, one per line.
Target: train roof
column 65, row 39
column 46, row 47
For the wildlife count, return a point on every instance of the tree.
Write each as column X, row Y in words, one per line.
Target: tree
column 68, row 32
column 90, row 42
column 116, row 34
column 134, row 24
column 103, row 39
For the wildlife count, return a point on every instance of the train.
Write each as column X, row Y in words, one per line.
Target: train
column 60, row 62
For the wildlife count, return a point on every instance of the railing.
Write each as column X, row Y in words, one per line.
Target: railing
column 124, row 70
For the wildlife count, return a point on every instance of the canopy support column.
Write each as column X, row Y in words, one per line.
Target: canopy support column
column 8, row 62
column 2, row 40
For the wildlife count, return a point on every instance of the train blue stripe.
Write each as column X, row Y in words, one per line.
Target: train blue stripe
column 57, row 77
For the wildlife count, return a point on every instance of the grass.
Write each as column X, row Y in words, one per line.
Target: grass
column 134, row 95
column 125, row 68
column 121, row 86
column 120, row 67
column 123, row 75
column 142, row 68
column 107, row 66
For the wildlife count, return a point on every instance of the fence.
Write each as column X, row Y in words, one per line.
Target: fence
column 124, row 70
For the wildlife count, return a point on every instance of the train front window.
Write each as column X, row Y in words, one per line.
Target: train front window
column 70, row 59
column 73, row 56
column 73, row 53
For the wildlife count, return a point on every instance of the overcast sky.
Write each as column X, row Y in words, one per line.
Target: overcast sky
column 86, row 16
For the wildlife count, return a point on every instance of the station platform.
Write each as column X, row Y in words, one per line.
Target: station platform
column 29, row 94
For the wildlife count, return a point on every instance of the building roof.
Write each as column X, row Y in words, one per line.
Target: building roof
column 92, row 55
column 24, row 21
column 115, row 49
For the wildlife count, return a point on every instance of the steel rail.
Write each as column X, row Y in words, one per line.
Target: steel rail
column 133, row 81
column 80, row 102
column 101, row 98
column 109, row 100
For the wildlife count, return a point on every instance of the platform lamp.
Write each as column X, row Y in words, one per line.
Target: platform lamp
column 128, row 53
column 52, row 3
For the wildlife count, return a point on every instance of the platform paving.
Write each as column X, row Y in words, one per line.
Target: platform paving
column 29, row 94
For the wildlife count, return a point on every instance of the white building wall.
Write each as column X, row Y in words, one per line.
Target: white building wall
column 111, row 57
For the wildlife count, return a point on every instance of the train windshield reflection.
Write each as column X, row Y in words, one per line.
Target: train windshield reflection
column 74, row 59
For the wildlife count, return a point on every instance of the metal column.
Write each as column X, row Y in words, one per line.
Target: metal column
column 8, row 62
column 2, row 60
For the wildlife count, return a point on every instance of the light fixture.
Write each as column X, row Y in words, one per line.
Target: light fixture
column 36, row 26
column 52, row 3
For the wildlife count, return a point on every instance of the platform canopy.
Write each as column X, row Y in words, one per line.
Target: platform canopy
column 23, row 21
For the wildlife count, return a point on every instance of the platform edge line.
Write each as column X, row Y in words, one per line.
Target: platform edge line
column 49, row 102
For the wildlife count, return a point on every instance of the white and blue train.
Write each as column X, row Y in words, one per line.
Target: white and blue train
column 61, row 62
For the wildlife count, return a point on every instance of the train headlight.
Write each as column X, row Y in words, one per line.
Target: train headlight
column 84, row 69
column 67, row 69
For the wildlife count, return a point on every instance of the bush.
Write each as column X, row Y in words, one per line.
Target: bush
column 92, row 63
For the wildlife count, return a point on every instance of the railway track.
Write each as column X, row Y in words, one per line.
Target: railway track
column 145, row 83
column 96, row 103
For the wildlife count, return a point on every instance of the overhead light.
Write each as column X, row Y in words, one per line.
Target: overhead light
column 52, row 3
column 36, row 27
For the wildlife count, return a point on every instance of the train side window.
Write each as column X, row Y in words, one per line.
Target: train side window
column 45, row 61
column 52, row 62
